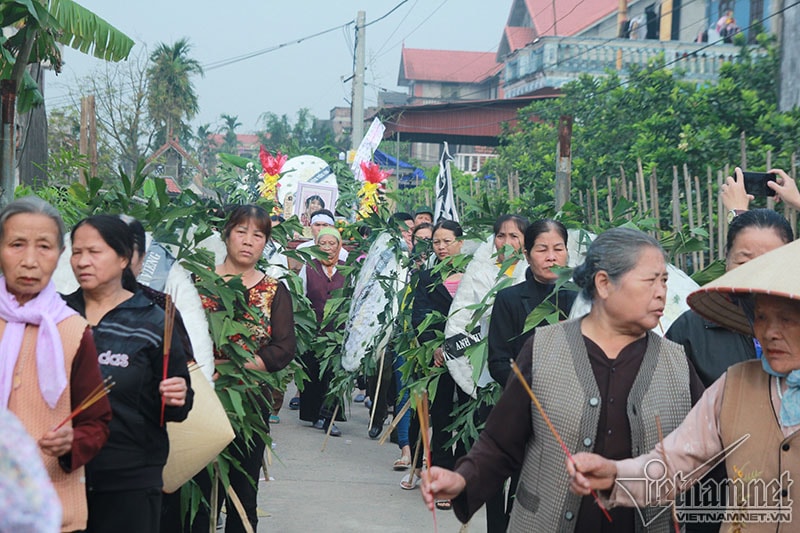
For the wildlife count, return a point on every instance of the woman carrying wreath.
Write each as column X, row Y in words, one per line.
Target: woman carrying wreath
column 270, row 320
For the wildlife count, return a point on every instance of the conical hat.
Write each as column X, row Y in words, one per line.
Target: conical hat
column 772, row 273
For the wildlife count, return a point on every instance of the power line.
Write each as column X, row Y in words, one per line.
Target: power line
column 231, row 61
column 395, row 8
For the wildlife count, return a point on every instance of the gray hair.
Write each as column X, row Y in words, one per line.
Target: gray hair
column 33, row 205
column 615, row 252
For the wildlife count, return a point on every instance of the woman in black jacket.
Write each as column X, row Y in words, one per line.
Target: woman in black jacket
column 545, row 247
column 124, row 480
column 434, row 293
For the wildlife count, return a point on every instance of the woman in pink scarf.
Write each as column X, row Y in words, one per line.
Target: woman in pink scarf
column 48, row 360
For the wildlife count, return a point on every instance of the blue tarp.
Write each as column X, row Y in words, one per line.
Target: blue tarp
column 409, row 174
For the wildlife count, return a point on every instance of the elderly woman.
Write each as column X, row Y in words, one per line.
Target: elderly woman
column 545, row 247
column 750, row 416
column 320, row 278
column 124, row 480
column 601, row 378
column 48, row 360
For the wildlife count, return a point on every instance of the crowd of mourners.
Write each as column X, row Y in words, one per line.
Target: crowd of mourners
column 588, row 404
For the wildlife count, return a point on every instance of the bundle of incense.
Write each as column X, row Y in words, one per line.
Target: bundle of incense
column 92, row 398
column 169, row 322
column 422, row 415
column 546, row 418
column 675, row 522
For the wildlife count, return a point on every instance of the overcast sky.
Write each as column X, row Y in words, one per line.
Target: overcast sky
column 309, row 74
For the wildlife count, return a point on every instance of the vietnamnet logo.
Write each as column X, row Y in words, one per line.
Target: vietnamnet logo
column 751, row 499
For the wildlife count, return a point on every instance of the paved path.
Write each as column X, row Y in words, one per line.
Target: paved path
column 349, row 487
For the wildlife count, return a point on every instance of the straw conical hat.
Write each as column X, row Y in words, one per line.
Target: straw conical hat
column 772, row 273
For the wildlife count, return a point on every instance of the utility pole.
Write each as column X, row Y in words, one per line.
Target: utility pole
column 88, row 138
column 789, row 87
column 563, row 161
column 357, row 106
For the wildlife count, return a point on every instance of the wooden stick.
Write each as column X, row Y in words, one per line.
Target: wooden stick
column 169, row 323
column 699, row 204
column 395, row 421
column 687, row 183
column 422, row 414
column 546, row 418
column 330, row 426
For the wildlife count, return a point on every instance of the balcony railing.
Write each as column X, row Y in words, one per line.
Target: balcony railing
column 554, row 61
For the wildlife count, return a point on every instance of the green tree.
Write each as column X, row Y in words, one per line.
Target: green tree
column 172, row 100
column 41, row 26
column 228, row 129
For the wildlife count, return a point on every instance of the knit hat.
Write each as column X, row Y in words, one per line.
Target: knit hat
column 770, row 273
column 333, row 232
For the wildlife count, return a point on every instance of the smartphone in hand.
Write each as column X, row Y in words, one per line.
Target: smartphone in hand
column 755, row 183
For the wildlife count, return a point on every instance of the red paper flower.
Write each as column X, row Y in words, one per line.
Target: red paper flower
column 373, row 173
column 271, row 165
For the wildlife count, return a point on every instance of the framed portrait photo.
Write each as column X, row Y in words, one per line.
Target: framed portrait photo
column 312, row 197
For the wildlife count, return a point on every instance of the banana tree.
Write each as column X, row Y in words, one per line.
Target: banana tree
column 41, row 26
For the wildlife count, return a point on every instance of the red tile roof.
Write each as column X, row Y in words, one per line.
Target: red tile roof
column 446, row 66
column 172, row 187
column 244, row 139
column 514, row 38
column 519, row 37
column 571, row 16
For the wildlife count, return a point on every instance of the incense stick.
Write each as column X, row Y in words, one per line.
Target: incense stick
column 546, row 418
column 666, row 465
column 169, row 322
column 422, row 415
column 92, row 398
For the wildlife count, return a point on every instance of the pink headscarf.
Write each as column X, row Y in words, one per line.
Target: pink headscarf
column 45, row 310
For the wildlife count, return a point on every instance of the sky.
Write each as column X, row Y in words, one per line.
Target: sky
column 310, row 74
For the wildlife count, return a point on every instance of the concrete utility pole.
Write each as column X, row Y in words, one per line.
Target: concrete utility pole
column 789, row 88
column 563, row 161
column 357, row 106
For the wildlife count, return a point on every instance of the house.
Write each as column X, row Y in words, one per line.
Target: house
column 546, row 44
column 442, row 76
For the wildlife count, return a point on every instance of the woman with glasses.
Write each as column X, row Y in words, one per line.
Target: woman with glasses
column 434, row 294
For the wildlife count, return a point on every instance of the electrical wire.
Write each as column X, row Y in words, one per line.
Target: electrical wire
column 395, row 8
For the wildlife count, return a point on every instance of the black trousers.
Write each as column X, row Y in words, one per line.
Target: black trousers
column 124, row 511
column 441, row 411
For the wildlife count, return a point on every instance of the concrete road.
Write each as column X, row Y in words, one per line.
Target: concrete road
column 349, row 487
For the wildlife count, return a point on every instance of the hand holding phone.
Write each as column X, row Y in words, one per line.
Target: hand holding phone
column 755, row 183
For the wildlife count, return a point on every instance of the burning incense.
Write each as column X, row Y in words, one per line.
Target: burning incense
column 422, row 415
column 92, row 398
column 675, row 522
column 169, row 323
column 535, row 400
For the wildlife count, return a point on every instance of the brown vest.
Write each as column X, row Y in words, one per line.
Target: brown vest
column 767, row 455
column 27, row 403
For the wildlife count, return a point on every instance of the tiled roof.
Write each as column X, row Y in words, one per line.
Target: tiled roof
column 571, row 16
column 172, row 187
column 244, row 139
column 446, row 66
column 518, row 37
